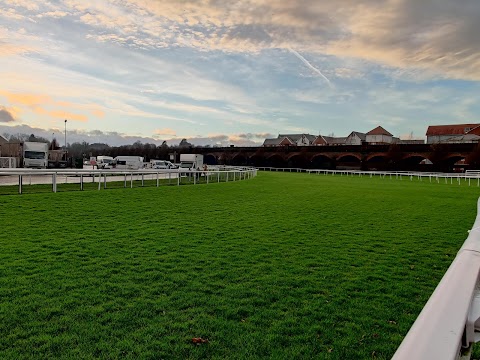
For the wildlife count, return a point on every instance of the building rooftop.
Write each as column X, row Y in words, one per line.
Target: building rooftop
column 379, row 131
column 460, row 129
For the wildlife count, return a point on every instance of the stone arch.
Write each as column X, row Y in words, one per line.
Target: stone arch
column 378, row 161
column 239, row 159
column 349, row 156
column 322, row 161
column 275, row 160
column 371, row 157
column 210, row 159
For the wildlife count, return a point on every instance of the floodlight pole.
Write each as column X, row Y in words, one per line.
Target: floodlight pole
column 65, row 139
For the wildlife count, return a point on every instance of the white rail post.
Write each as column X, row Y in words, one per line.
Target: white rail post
column 99, row 181
column 207, row 174
column 195, row 177
column 81, row 181
column 449, row 323
column 142, row 179
column 157, row 179
column 131, row 180
column 218, row 176
column 20, row 180
column 104, row 181
column 125, row 180
column 55, row 182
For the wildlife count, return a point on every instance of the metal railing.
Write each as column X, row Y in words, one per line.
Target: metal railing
column 472, row 177
column 449, row 324
column 26, row 177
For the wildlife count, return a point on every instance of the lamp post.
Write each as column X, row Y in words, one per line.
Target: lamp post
column 65, row 139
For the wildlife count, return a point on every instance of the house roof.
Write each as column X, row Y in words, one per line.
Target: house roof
column 335, row 140
column 379, row 131
column 2, row 139
column 272, row 142
column 310, row 138
column 362, row 136
column 464, row 138
column 458, row 129
column 293, row 137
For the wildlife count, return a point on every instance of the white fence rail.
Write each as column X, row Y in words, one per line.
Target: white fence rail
column 8, row 162
column 472, row 177
column 27, row 177
column 449, row 323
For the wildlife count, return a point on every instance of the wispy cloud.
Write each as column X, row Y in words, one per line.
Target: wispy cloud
column 310, row 66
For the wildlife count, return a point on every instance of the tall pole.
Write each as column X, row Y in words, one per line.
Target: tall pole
column 65, row 139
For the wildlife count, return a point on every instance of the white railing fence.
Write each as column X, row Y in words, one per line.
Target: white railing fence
column 8, row 162
column 449, row 324
column 26, row 177
column 471, row 177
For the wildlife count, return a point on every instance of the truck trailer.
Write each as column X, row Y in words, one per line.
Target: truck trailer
column 129, row 162
column 35, row 155
column 191, row 161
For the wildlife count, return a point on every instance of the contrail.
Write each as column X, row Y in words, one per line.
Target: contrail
column 305, row 61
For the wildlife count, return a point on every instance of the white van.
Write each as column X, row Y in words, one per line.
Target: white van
column 129, row 162
column 104, row 162
column 161, row 164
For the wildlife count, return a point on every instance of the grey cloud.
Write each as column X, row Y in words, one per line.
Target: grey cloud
column 250, row 136
column 114, row 138
column 5, row 115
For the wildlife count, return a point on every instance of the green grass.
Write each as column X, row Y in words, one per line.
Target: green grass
column 284, row 266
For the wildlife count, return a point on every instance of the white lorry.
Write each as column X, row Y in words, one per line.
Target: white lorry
column 35, row 155
column 129, row 162
column 191, row 161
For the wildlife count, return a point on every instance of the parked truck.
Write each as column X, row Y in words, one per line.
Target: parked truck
column 35, row 155
column 129, row 162
column 191, row 161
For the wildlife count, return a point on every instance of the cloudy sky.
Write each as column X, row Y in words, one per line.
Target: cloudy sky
column 234, row 72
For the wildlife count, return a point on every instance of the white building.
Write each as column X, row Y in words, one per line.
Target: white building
column 379, row 136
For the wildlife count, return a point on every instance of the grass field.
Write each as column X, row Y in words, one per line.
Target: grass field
column 283, row 266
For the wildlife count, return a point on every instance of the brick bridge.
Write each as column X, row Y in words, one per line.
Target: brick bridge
column 421, row 157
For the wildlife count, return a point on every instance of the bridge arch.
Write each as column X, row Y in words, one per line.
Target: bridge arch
column 349, row 157
column 210, row 159
column 239, row 159
column 377, row 161
column 275, row 160
column 376, row 156
column 322, row 161
column 298, row 160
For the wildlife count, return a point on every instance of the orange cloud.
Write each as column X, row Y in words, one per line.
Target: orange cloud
column 68, row 116
column 26, row 99
column 98, row 113
column 40, row 104
column 165, row 131
column 10, row 49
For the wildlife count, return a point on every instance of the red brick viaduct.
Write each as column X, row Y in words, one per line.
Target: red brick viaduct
column 418, row 157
